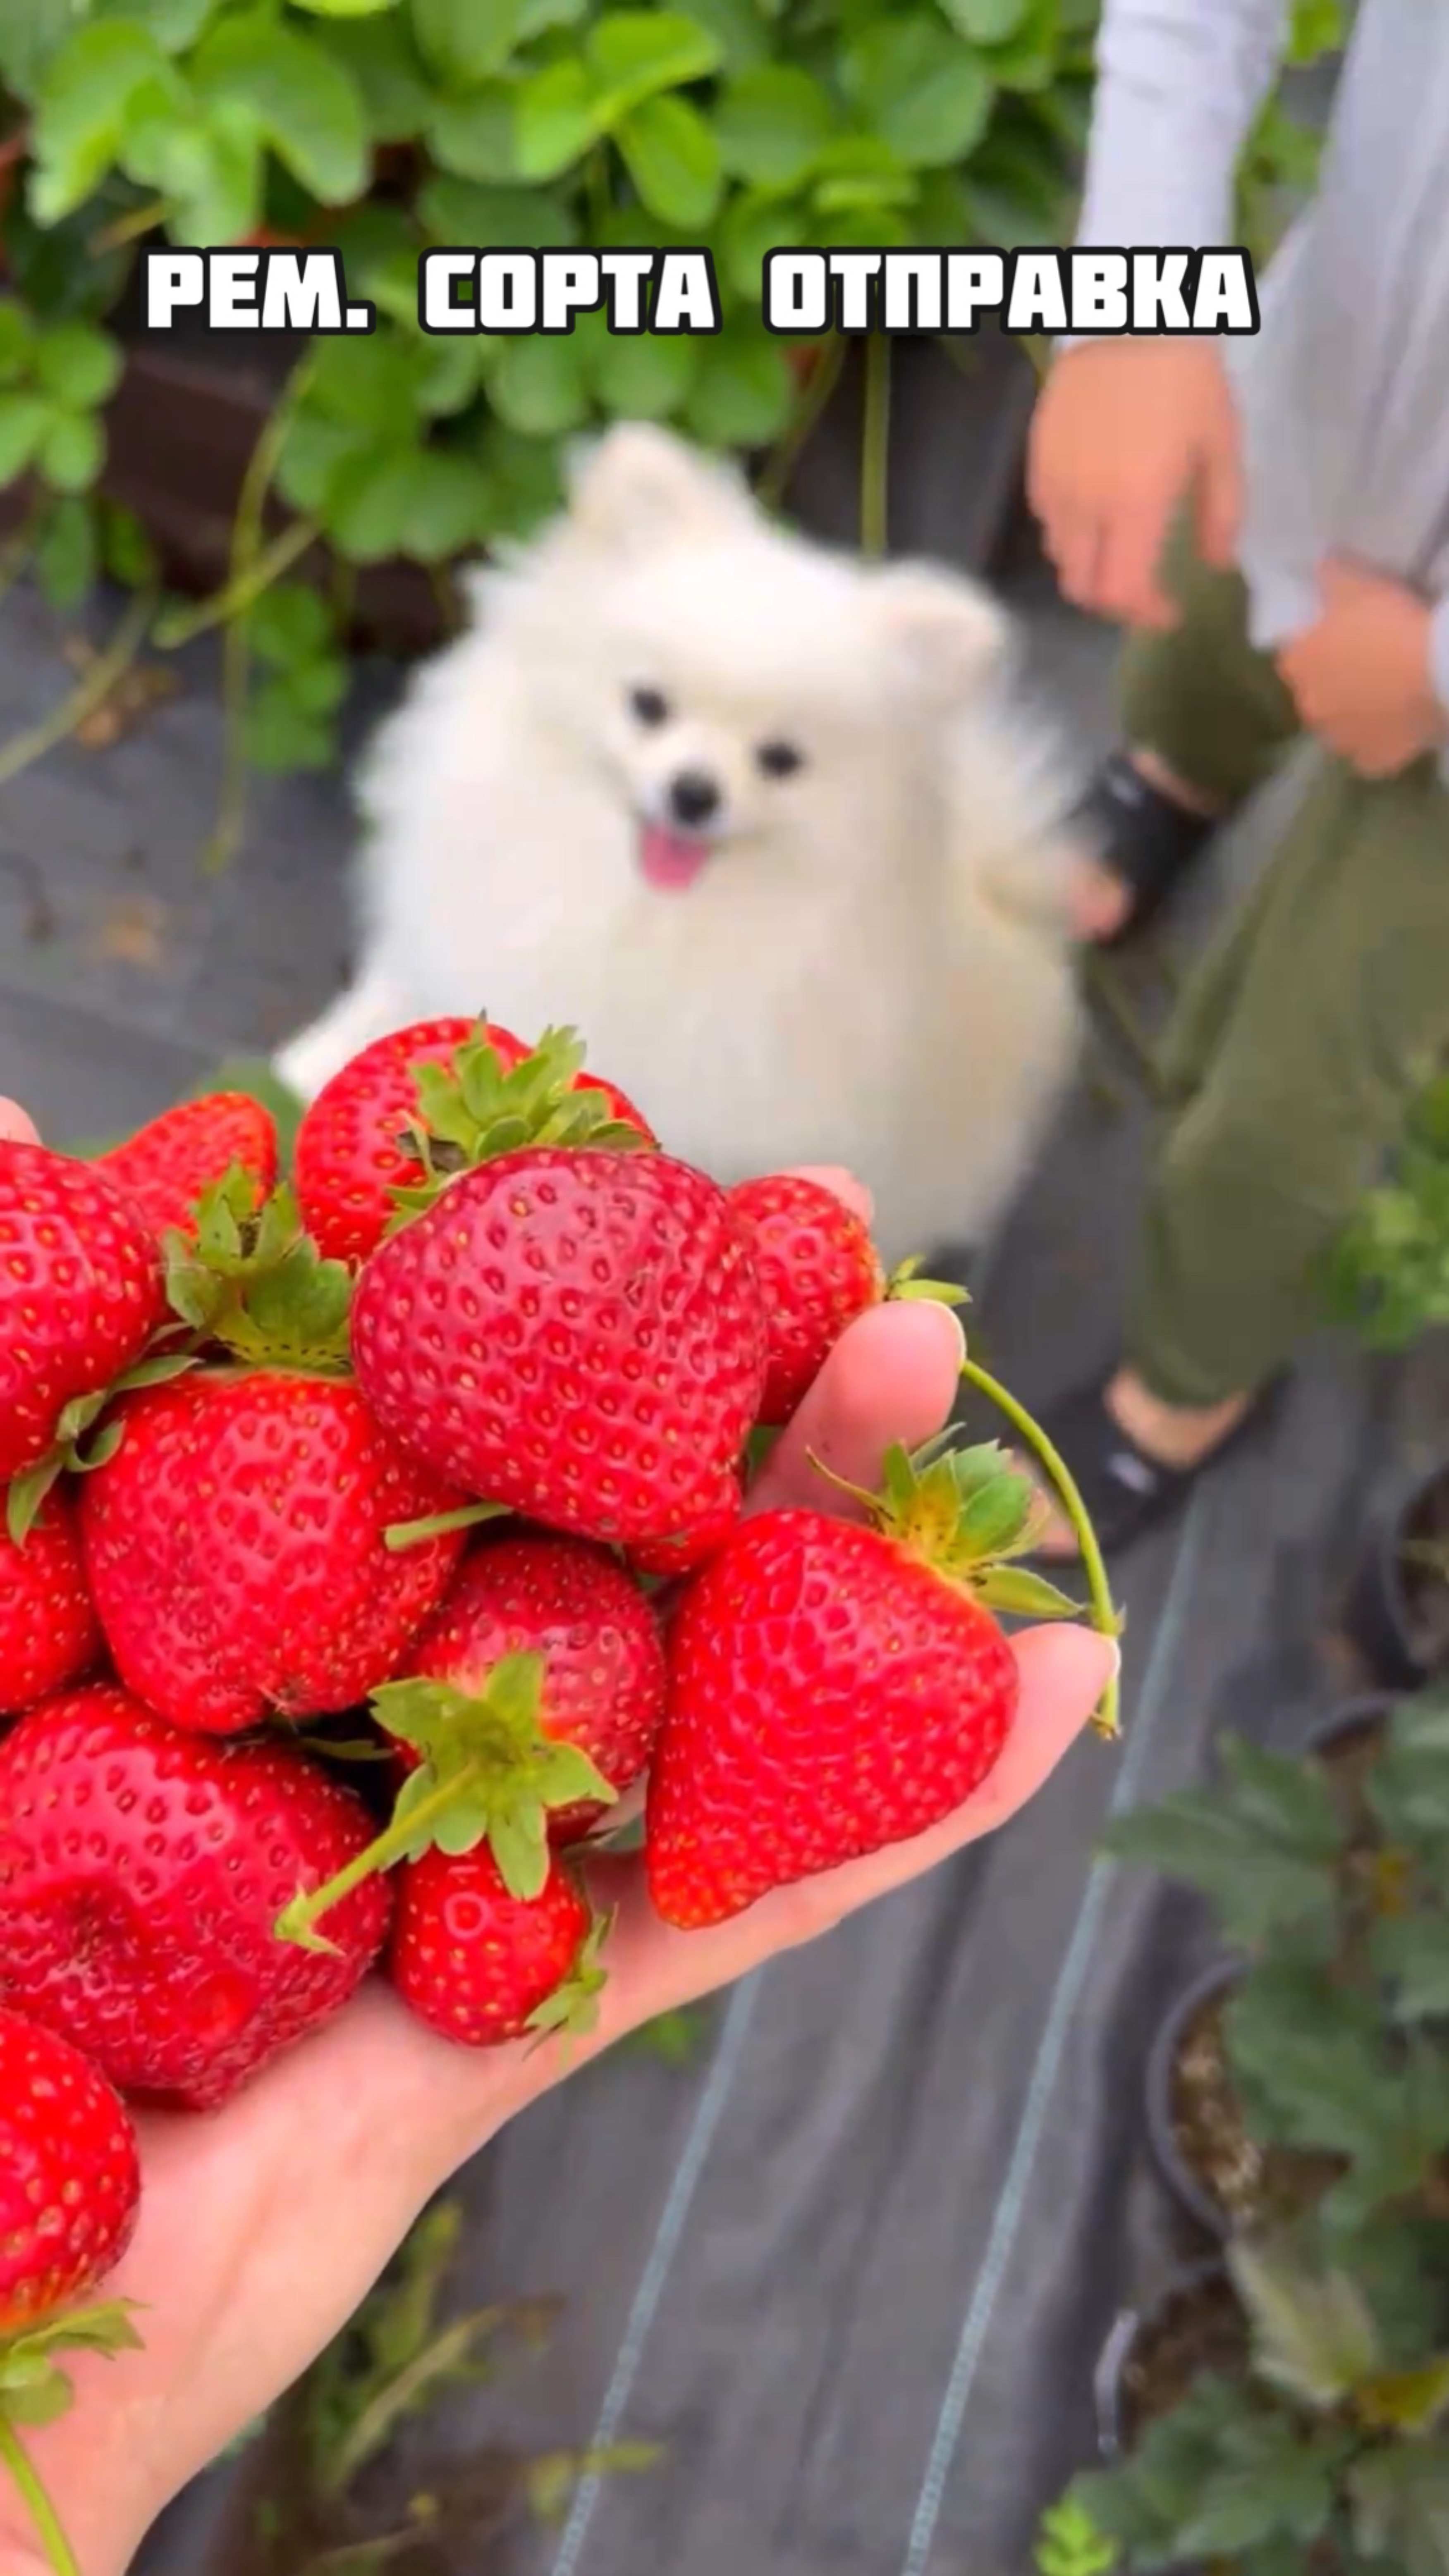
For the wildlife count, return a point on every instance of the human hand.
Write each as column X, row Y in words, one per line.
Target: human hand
column 1126, row 430
column 1361, row 676
column 264, row 2226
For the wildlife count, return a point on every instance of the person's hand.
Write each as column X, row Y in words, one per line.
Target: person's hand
column 1125, row 431
column 1360, row 678
column 264, row 2226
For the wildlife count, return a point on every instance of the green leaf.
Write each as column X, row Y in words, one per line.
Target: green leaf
column 771, row 123
column 450, row 507
column 86, row 100
column 921, row 91
column 66, row 555
column 79, row 366
column 280, row 736
column 300, row 98
column 738, row 31
column 314, row 450
column 175, row 24
column 1400, row 2504
column 370, row 385
column 557, row 116
column 539, row 386
column 465, row 41
column 744, row 392
column 344, row 8
column 986, row 22
column 1024, row 1595
column 464, row 212
column 212, row 164
column 476, row 134
column 368, row 500
column 1412, row 1953
column 290, row 624
column 73, row 452
column 380, row 58
column 1284, row 1796
column 1313, row 2334
column 24, row 421
column 17, row 342
column 860, row 170
column 752, row 226
column 636, row 53
column 647, row 377
column 672, row 156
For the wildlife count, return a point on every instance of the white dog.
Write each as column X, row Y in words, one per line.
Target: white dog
column 753, row 818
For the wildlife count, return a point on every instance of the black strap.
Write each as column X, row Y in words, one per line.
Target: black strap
column 1140, row 834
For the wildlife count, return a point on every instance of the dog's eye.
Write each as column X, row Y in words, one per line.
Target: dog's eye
column 779, row 759
column 649, row 706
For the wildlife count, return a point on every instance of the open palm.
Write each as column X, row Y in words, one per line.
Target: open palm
column 263, row 2226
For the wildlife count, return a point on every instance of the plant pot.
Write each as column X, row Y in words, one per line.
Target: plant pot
column 1192, row 2105
column 1398, row 1612
column 1153, row 2354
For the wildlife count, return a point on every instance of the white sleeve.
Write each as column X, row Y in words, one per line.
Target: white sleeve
column 1179, row 84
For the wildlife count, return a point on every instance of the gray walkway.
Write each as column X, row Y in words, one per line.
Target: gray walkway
column 850, row 2270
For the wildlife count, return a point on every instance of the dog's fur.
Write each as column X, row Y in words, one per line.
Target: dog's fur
column 869, row 967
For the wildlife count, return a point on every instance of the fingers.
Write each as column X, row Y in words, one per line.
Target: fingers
column 15, row 1125
column 892, row 1376
column 1218, row 506
column 1128, row 588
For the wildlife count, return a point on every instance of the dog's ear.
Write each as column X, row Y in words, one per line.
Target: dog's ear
column 639, row 486
column 948, row 635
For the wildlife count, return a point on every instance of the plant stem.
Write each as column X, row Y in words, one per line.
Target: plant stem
column 242, row 591
column 226, row 831
column 91, row 692
column 802, row 424
column 37, row 2503
column 130, row 227
column 393, row 1844
column 875, row 448
column 248, row 559
column 1104, row 1615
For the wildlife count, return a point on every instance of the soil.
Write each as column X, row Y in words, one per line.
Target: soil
column 1424, row 1574
column 1249, row 2183
column 1199, row 2327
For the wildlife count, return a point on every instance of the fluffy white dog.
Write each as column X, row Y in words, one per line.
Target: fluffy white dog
column 756, row 820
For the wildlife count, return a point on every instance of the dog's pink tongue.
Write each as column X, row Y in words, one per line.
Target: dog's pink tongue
column 670, row 859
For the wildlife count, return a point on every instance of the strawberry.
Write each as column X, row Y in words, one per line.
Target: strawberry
column 576, row 1334
column 70, row 2182
column 358, row 1145
column 818, row 1270
column 483, row 1967
column 70, row 2190
column 166, row 1166
column 141, row 1872
column 531, row 1699
column 48, row 1630
column 81, row 1293
column 236, row 1548
column 835, row 1687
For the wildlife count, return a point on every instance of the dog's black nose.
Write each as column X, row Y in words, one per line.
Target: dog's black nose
column 693, row 798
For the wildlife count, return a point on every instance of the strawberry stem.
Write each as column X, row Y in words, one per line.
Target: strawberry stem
column 407, row 1832
column 33, row 2494
column 1105, row 1617
column 405, row 1534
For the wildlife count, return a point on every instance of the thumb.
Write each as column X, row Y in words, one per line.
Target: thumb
column 1218, row 504
column 14, row 1125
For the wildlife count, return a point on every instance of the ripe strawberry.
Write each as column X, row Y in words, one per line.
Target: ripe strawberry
column 818, row 1270
column 834, row 1688
column 141, row 1873
column 236, row 1547
column 574, row 1333
column 166, row 1167
column 48, row 1629
column 353, row 1154
column 531, row 1699
column 80, row 1295
column 70, row 2183
column 482, row 1967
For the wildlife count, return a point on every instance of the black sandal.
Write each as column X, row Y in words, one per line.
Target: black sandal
column 1126, row 1493
column 1142, row 837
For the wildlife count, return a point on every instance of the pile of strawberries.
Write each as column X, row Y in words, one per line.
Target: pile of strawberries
column 369, row 1538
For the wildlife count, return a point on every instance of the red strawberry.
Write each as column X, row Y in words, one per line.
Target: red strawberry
column 80, row 1295
column 574, row 1333
column 236, row 1547
column 70, row 2183
column 818, row 1270
column 48, row 1630
column 834, row 1688
column 530, row 1701
column 167, row 1165
column 141, row 1874
column 352, row 1155
column 483, row 1967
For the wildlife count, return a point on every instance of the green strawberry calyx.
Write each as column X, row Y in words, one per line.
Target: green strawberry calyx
column 967, row 1513
column 474, row 1108
column 490, row 1772
column 572, row 2010
column 35, row 2390
column 83, row 1439
column 905, row 1282
column 252, row 1280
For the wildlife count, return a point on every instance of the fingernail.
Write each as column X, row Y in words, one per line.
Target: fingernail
column 948, row 1315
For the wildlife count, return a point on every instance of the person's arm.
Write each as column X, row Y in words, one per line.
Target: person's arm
column 1179, row 84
